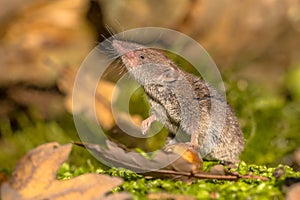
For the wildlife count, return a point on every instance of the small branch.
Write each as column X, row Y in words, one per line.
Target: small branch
column 201, row 175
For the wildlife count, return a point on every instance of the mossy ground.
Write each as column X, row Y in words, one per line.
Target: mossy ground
column 139, row 186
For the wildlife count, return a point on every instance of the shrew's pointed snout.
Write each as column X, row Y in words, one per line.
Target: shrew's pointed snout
column 119, row 47
column 123, row 47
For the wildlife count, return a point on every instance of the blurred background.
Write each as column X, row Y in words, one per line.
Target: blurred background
column 254, row 43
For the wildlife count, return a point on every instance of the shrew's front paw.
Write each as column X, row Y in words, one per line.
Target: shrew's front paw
column 147, row 123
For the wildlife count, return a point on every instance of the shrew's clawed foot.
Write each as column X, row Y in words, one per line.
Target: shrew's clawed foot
column 194, row 146
column 147, row 123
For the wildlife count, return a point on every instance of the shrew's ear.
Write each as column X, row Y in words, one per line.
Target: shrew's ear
column 169, row 75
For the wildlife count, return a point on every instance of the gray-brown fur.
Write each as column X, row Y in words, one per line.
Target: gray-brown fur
column 183, row 102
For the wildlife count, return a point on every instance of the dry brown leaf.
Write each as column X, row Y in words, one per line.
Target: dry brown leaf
column 293, row 192
column 103, row 97
column 41, row 38
column 189, row 160
column 6, row 107
column 47, row 102
column 35, row 178
column 3, row 178
column 162, row 195
column 175, row 161
column 103, row 103
column 177, row 165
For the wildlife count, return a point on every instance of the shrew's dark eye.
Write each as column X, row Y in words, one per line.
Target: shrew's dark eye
column 142, row 57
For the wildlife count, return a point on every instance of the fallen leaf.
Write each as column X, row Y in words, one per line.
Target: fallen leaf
column 162, row 195
column 293, row 192
column 44, row 36
column 114, row 155
column 35, row 178
column 177, row 165
column 103, row 96
column 3, row 178
column 48, row 103
column 189, row 160
column 103, row 103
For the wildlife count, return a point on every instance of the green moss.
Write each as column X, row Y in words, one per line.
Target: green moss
column 139, row 186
